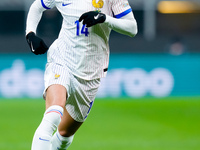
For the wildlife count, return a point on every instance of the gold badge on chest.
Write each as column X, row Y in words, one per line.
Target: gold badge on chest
column 98, row 4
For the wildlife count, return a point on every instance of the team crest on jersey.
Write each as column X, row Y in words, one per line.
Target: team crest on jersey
column 98, row 4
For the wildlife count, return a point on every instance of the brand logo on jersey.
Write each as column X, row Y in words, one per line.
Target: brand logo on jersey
column 57, row 76
column 63, row 4
column 98, row 4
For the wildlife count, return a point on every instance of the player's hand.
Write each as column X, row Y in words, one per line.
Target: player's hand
column 36, row 44
column 92, row 18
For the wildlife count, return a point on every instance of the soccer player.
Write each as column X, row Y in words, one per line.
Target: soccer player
column 76, row 61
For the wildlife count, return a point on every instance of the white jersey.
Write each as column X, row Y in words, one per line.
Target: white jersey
column 85, row 51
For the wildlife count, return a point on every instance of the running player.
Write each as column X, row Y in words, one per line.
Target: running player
column 76, row 61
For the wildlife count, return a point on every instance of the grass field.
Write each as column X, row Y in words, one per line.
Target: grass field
column 114, row 124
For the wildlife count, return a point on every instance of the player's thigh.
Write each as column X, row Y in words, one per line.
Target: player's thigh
column 57, row 82
column 56, row 95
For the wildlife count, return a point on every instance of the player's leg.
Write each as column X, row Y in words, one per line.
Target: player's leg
column 68, row 126
column 77, row 109
column 56, row 94
column 63, row 137
column 55, row 102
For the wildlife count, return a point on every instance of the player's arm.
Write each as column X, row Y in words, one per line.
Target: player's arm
column 125, row 25
column 36, row 44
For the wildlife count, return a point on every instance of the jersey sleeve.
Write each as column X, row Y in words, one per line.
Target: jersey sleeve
column 47, row 4
column 120, row 8
column 35, row 13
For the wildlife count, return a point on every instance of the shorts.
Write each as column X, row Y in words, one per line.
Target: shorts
column 81, row 93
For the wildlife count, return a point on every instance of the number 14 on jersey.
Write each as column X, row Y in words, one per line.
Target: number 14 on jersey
column 83, row 30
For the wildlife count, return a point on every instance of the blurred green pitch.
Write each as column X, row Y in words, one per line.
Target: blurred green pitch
column 113, row 124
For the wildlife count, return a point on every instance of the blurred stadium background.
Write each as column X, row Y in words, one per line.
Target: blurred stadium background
column 150, row 99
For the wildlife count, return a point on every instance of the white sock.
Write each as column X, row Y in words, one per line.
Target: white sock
column 60, row 142
column 43, row 134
